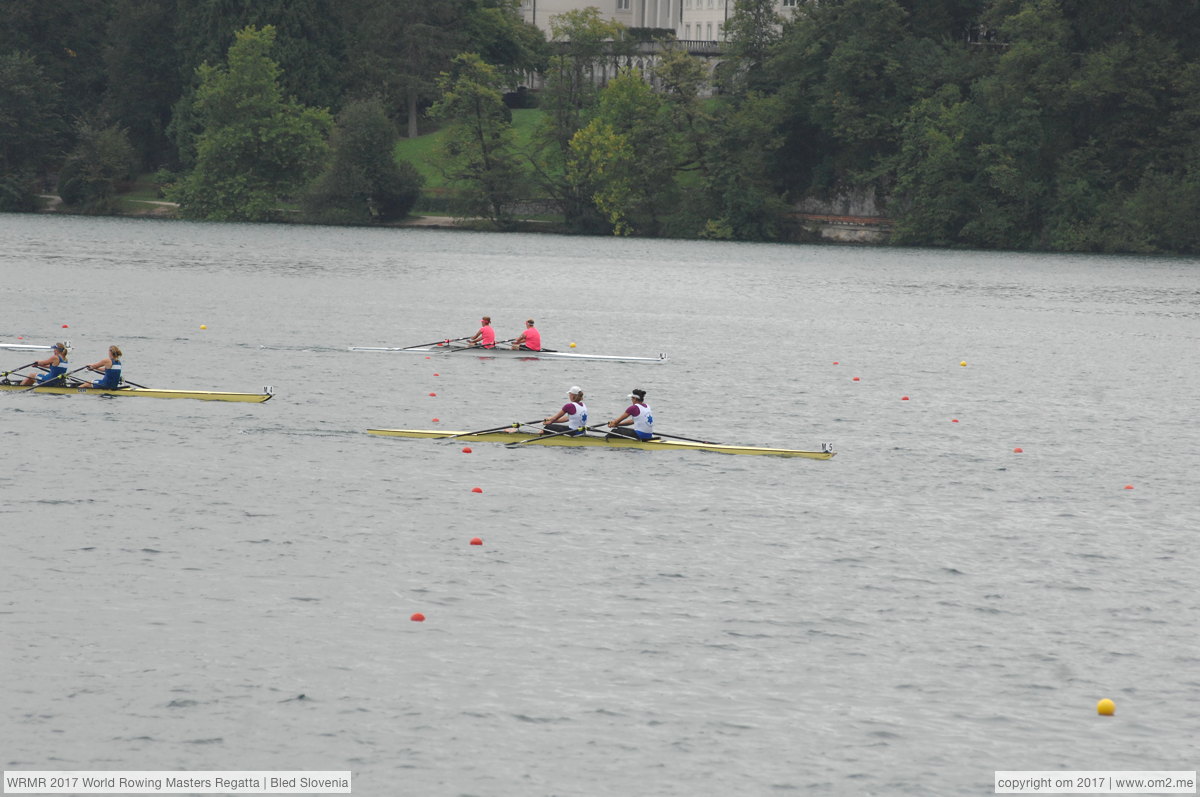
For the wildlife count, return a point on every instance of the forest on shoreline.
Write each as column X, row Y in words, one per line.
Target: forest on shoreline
column 1063, row 125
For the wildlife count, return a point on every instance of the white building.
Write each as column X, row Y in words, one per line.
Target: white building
column 692, row 20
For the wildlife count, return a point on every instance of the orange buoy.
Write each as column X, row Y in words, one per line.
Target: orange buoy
column 477, row 489
column 1129, row 487
column 467, row 450
column 1018, row 451
column 417, row 617
column 476, row 541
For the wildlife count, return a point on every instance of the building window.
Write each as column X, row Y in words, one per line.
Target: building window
column 710, row 38
column 719, row 30
column 687, row 31
column 789, row 3
column 622, row 5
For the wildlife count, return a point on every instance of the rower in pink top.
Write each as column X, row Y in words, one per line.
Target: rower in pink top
column 530, row 339
column 486, row 336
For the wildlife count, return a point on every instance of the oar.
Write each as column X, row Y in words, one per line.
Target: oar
column 22, row 368
column 689, row 439
column 480, row 346
column 60, row 378
column 541, row 437
column 434, row 343
column 513, row 425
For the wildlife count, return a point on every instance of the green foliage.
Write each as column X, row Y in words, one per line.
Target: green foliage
column 102, row 159
column 363, row 182
column 626, row 157
column 31, row 131
column 752, row 32
column 256, row 148
column 144, row 76
column 65, row 38
column 584, row 43
column 478, row 154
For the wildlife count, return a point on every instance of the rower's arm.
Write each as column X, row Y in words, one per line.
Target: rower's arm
column 620, row 421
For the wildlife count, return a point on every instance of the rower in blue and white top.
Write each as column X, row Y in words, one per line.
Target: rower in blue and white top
column 56, row 368
column 575, row 411
column 110, row 366
column 638, row 416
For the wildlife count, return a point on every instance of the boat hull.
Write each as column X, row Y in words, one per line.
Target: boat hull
column 129, row 392
column 517, row 354
column 601, row 441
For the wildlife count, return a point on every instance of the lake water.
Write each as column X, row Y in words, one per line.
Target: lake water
column 906, row 618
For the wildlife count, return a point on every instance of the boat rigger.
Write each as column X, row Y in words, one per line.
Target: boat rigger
column 603, row 441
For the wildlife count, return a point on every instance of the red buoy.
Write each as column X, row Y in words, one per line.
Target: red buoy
column 855, row 379
column 437, row 374
column 835, row 362
column 477, row 489
column 1129, row 487
column 435, row 420
column 954, row 420
column 433, row 394
column 1018, row 450
column 476, row 541
column 467, row 450
column 417, row 617
column 904, row 398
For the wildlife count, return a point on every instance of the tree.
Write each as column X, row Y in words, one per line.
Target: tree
column 363, row 182
column 584, row 44
column 64, row 37
column 627, row 156
column 102, row 159
column 256, row 148
column 31, row 130
column 478, row 151
column 751, row 33
column 144, row 78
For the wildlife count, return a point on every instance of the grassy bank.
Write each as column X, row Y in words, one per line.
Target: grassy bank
column 421, row 151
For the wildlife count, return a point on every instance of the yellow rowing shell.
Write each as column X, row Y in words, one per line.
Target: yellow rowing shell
column 599, row 441
column 203, row 395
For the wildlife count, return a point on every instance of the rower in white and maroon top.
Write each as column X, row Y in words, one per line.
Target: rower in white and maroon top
column 637, row 420
column 575, row 411
column 530, row 339
column 486, row 336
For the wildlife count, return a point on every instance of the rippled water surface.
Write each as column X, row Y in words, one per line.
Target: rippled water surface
column 200, row 585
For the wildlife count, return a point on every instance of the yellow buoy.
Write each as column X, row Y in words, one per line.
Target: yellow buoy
column 1106, row 707
column 202, row 326
column 963, row 363
column 572, row 345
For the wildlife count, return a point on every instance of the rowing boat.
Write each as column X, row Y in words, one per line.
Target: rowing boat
column 203, row 395
column 520, row 354
column 602, row 441
column 27, row 347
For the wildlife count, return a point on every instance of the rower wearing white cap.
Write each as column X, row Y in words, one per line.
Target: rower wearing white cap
column 574, row 411
column 637, row 421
